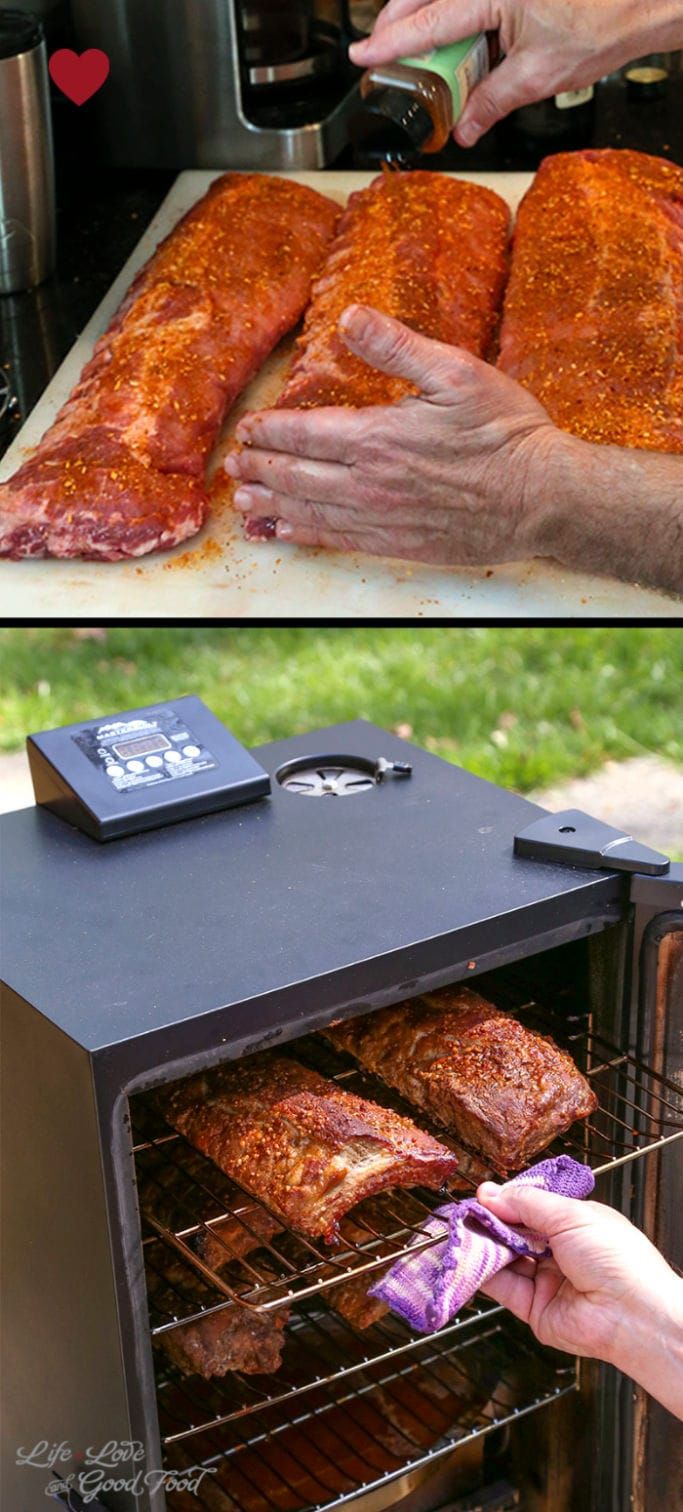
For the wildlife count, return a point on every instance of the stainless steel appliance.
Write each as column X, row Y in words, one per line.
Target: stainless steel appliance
column 134, row 963
column 222, row 83
column 28, row 238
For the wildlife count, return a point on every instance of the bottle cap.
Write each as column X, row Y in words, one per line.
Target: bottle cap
column 405, row 113
column 19, row 33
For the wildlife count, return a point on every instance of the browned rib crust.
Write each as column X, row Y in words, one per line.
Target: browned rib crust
column 234, row 1339
column 352, row 1302
column 502, row 1089
column 305, row 1147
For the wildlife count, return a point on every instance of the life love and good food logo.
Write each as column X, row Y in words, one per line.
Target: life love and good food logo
column 117, row 1465
column 79, row 75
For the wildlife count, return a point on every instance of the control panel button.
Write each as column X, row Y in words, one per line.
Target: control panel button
column 135, row 766
column 154, row 761
column 191, row 750
column 114, row 770
column 172, row 757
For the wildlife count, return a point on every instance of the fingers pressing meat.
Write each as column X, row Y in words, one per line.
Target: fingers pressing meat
column 427, row 249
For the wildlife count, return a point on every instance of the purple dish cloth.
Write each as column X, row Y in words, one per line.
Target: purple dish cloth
column 429, row 1288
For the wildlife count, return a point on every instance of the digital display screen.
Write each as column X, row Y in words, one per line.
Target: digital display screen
column 142, row 746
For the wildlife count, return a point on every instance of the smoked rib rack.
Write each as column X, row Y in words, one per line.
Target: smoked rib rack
column 637, row 1110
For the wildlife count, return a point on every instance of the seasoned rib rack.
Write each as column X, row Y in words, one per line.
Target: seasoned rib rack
column 592, row 314
column 121, row 471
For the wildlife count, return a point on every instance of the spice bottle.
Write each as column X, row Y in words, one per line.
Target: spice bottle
column 422, row 98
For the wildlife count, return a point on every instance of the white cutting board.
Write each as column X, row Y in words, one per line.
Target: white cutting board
column 220, row 575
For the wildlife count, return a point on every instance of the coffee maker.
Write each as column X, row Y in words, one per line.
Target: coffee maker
column 222, row 83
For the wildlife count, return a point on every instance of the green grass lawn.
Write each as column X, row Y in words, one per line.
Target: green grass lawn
column 523, row 707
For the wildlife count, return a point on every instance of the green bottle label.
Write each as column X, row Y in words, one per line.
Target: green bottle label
column 462, row 66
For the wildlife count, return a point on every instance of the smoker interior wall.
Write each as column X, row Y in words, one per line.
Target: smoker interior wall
column 60, row 1331
column 548, row 1452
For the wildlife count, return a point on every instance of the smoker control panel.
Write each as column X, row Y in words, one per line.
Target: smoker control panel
column 143, row 768
column 154, row 746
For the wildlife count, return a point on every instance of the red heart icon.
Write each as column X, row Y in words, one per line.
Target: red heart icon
column 79, row 76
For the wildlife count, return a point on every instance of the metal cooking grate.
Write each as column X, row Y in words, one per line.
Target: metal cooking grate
column 320, row 1346
column 396, row 1420
column 186, row 1199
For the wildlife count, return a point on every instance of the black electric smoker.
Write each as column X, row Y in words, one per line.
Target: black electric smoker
column 173, row 902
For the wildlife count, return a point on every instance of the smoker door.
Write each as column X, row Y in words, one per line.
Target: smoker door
column 657, row 1002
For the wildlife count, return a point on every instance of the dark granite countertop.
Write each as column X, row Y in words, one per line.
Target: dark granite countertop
column 102, row 213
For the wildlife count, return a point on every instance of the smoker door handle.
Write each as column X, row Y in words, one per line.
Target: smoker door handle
column 576, row 839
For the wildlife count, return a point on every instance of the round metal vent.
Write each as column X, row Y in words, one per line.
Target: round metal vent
column 337, row 776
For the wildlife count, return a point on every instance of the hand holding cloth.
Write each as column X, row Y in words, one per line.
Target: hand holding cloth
column 428, row 1289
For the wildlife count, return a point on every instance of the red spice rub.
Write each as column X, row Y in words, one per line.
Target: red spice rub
column 427, row 249
column 593, row 316
column 502, row 1089
column 121, row 471
column 304, row 1146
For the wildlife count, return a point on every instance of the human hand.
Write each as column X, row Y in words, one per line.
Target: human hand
column 450, row 475
column 605, row 1292
column 549, row 45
